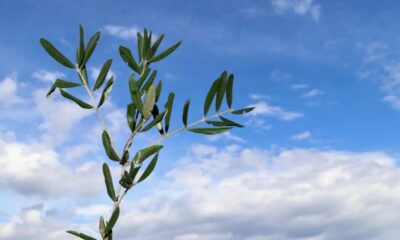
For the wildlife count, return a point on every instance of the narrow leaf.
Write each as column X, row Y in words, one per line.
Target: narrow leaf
column 131, row 116
column 209, row 131
column 168, row 107
column 136, row 100
column 127, row 56
column 229, row 89
column 210, row 96
column 155, row 46
column 244, row 110
column 221, row 90
column 165, row 53
column 143, row 154
column 90, row 47
column 57, row 55
column 102, row 226
column 149, row 169
column 113, row 220
column 142, row 78
column 106, row 91
column 62, row 84
column 81, row 103
column 108, row 181
column 140, row 46
column 148, row 83
column 133, row 170
column 185, row 112
column 102, row 75
column 155, row 121
column 149, row 102
column 81, row 49
column 108, row 147
column 81, row 235
column 230, row 122
column 158, row 90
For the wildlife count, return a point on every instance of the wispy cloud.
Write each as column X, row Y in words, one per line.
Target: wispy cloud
column 263, row 108
column 299, row 86
column 123, row 32
column 301, row 136
column 47, row 76
column 300, row 7
column 313, row 93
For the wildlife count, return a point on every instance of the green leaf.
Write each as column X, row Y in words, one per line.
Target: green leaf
column 81, row 103
column 158, row 90
column 108, row 147
column 136, row 100
column 149, row 102
column 106, row 91
column 229, row 89
column 147, row 43
column 113, row 220
column 221, row 90
column 140, row 46
column 230, row 122
column 168, row 108
column 133, row 170
column 131, row 116
column 90, row 47
column 185, row 112
column 109, row 182
column 83, row 76
column 243, row 110
column 209, row 131
column 155, row 121
column 102, row 75
column 102, row 226
column 52, row 51
column 165, row 53
column 210, row 96
column 148, row 83
column 144, row 153
column 127, row 177
column 155, row 46
column 149, row 169
column 127, row 56
column 142, row 78
column 125, row 183
column 81, row 49
column 62, row 84
column 81, row 235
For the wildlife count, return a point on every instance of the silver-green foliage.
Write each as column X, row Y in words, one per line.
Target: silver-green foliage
column 143, row 112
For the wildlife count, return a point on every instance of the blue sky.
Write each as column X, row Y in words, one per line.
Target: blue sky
column 324, row 76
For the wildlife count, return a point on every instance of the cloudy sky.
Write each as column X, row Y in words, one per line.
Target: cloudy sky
column 318, row 159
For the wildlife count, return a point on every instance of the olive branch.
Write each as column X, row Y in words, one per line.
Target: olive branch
column 143, row 112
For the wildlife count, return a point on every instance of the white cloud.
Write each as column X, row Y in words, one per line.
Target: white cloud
column 394, row 101
column 278, row 76
column 8, row 92
column 263, row 108
column 59, row 116
column 47, row 76
column 123, row 32
column 35, row 169
column 313, row 93
column 93, row 210
column 301, row 136
column 255, row 96
column 238, row 193
column 300, row 7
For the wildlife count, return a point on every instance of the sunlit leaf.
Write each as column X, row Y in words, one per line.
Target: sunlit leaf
column 140, row 45
column 149, row 102
column 113, row 219
column 155, row 46
column 136, row 100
